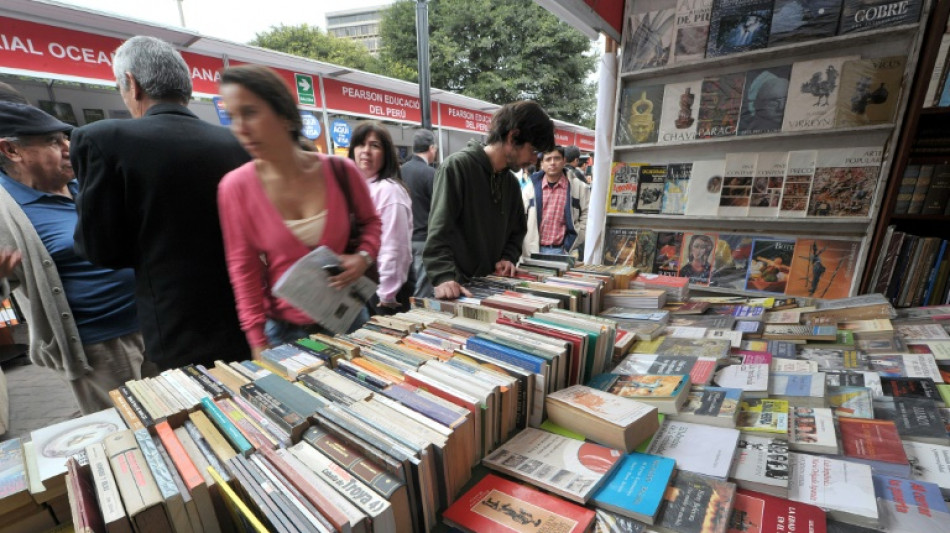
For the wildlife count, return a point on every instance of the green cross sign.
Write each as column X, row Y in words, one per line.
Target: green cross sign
column 305, row 89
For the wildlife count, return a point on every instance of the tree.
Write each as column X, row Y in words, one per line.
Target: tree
column 312, row 42
column 498, row 51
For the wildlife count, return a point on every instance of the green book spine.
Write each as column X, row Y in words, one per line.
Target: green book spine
column 231, row 432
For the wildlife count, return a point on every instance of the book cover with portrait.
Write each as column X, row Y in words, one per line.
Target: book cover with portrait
column 720, row 104
column 796, row 189
column 795, row 21
column 738, row 26
column 770, row 265
column 823, row 268
column 870, row 89
column 639, row 114
column 763, row 100
column 697, row 257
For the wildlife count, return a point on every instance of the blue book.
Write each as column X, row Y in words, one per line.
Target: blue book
column 425, row 407
column 933, row 273
column 910, row 505
column 230, row 431
column 635, row 488
column 506, row 354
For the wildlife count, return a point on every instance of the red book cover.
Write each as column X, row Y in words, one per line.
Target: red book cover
column 498, row 505
column 871, row 439
column 754, row 512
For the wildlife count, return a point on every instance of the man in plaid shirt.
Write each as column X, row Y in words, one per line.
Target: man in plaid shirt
column 559, row 208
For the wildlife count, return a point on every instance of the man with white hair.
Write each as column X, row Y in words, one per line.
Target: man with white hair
column 148, row 200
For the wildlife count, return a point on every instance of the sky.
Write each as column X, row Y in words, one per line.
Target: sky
column 234, row 20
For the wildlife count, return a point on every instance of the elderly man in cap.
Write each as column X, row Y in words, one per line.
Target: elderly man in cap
column 419, row 176
column 81, row 317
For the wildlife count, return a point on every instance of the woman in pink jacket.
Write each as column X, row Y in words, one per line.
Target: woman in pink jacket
column 371, row 147
column 283, row 204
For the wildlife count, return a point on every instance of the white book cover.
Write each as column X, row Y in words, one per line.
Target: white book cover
column 813, row 94
column 692, row 30
column 680, row 112
column 812, row 426
column 767, row 184
column 810, row 385
column 734, row 337
column 570, row 468
column 686, row 332
column 833, row 484
column 697, row 448
column 921, row 332
column 612, row 408
column 753, row 378
column 782, row 364
column 796, row 188
column 55, row 444
column 737, row 184
column 907, row 365
column 705, row 187
column 929, row 462
column 761, row 460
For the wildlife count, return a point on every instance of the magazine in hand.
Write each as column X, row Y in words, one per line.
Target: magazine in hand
column 306, row 286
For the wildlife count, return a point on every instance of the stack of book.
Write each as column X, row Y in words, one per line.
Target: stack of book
column 704, row 427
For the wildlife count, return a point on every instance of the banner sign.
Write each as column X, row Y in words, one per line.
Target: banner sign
column 360, row 100
column 563, row 137
column 584, row 142
column 464, row 119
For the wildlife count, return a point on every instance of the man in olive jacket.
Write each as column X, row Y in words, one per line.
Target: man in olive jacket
column 477, row 222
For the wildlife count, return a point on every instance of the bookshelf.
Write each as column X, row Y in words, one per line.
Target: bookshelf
column 905, row 40
column 918, row 118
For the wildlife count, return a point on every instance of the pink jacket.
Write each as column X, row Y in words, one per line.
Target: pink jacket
column 395, row 254
column 259, row 248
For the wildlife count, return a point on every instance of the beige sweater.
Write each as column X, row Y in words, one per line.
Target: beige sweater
column 54, row 337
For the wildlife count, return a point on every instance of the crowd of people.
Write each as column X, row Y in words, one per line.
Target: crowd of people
column 140, row 245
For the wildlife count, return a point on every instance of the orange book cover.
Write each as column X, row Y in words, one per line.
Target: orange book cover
column 822, row 268
column 189, row 473
column 124, row 409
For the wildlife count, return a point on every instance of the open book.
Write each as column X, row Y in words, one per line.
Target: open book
column 306, row 286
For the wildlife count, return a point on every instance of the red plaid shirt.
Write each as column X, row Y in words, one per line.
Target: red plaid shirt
column 554, row 196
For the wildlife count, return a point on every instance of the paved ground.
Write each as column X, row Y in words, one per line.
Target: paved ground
column 38, row 397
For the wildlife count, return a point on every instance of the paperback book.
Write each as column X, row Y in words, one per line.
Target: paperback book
column 870, row 89
column 812, row 429
column 639, row 115
column 864, row 15
column 720, row 104
column 843, row 488
column 769, row 265
column 845, row 180
column 667, row 257
column 675, row 188
column 796, row 189
column 737, row 184
column 650, row 189
column 697, row 504
column 813, row 94
column 732, row 261
column 692, row 30
column 767, row 184
column 910, row 506
column 696, row 448
column 705, row 187
column 795, row 21
column 680, row 112
column 761, row 464
column 738, row 26
column 822, row 268
column 763, row 100
column 496, row 504
column 636, row 488
column 648, row 40
column 569, row 468
column 713, row 406
column 697, row 259
column 623, row 187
